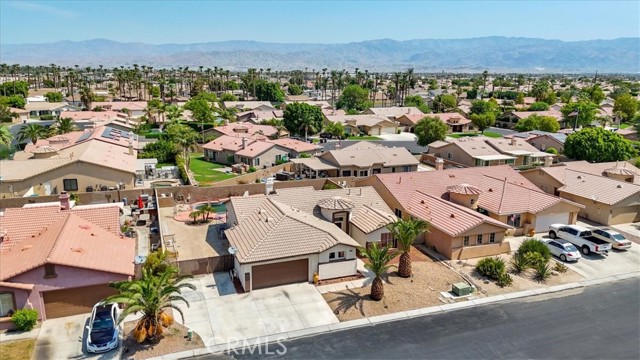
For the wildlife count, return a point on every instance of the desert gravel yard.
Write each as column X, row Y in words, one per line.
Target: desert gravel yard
column 422, row 289
column 521, row 282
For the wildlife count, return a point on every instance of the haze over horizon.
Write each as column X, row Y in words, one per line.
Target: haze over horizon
column 313, row 22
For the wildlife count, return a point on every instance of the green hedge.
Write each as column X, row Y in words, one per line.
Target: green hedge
column 25, row 319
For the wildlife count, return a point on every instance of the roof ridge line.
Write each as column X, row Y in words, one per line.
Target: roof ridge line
column 55, row 243
column 278, row 221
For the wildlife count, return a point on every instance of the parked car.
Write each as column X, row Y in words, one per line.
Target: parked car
column 326, row 135
column 581, row 237
column 617, row 240
column 103, row 332
column 564, row 250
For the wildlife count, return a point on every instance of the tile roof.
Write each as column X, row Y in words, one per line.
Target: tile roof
column 516, row 194
column 451, row 118
column 19, row 224
column 598, row 188
column 558, row 172
column 526, row 114
column 395, row 111
column 369, row 219
column 121, row 105
column 246, row 129
column 474, row 147
column 447, row 216
column 515, row 147
column 247, row 105
column 295, row 145
column 365, row 154
column 70, row 241
column 276, row 231
column 44, row 105
column 362, row 120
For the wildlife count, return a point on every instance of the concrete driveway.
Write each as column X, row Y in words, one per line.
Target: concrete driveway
column 403, row 136
column 64, row 338
column 219, row 315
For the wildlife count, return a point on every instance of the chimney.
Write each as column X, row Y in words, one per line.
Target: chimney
column 130, row 147
column 244, row 142
column 513, row 141
column 548, row 160
column 439, row 164
column 64, row 201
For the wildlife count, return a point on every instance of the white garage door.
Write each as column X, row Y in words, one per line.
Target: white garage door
column 389, row 130
column 543, row 221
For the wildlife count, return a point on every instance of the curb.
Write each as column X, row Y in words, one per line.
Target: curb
column 402, row 315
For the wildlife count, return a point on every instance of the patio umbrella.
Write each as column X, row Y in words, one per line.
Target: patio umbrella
column 140, row 202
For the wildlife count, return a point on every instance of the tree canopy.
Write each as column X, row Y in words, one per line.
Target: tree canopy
column 598, row 145
column 579, row 113
column 201, row 109
column 14, row 88
column 294, row 89
column 336, row 129
column 354, row 97
column 539, row 106
column 626, row 106
column 445, row 102
column 14, row 101
column 430, row 129
column 483, row 121
column 537, row 122
column 301, row 117
column 268, row 91
column 53, row 96
column 417, row 101
column 481, row 107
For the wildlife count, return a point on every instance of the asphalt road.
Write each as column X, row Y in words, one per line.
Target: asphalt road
column 598, row 322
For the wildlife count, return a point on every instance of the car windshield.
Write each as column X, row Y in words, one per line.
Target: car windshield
column 102, row 321
column 570, row 248
column 619, row 237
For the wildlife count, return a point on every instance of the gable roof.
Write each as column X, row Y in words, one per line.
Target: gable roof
column 366, row 154
column 447, row 216
column 515, row 147
column 598, row 188
column 70, row 241
column 246, row 129
column 367, row 120
column 276, row 231
column 395, row 111
column 477, row 148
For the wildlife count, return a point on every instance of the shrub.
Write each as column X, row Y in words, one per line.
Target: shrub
column 560, row 267
column 305, row 156
column 535, row 246
column 47, row 117
column 281, row 161
column 543, row 271
column 504, row 280
column 25, row 319
column 330, row 186
column 491, row 267
column 637, row 162
column 518, row 263
column 552, row 150
column 156, row 262
column 252, row 169
column 534, row 259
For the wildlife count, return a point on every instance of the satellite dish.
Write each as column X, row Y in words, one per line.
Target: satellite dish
column 232, row 250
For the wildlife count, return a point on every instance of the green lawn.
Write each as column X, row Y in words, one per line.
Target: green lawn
column 205, row 172
column 363, row 138
column 473, row 134
column 624, row 126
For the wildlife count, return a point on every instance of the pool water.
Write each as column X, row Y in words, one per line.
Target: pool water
column 220, row 208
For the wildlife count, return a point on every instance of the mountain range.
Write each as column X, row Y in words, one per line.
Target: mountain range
column 499, row 54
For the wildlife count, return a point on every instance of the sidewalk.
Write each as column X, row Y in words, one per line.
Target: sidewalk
column 373, row 321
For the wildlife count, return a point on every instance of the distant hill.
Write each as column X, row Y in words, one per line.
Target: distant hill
column 477, row 54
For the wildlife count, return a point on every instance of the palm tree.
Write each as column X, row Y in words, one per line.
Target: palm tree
column 307, row 124
column 63, row 126
column 5, row 136
column 32, row 132
column 86, row 97
column 378, row 262
column 151, row 295
column 405, row 232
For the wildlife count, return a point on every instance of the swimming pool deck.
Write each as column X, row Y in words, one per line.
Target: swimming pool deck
column 193, row 241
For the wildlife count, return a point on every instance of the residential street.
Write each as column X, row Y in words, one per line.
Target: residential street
column 598, row 322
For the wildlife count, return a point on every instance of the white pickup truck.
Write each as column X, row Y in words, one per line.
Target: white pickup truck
column 581, row 237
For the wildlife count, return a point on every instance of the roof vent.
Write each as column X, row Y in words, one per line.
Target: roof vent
column 490, row 189
column 421, row 201
column 619, row 186
column 579, row 176
column 453, row 215
column 26, row 247
column 452, row 175
column 269, row 219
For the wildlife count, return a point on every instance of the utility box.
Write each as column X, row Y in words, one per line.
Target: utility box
column 461, row 289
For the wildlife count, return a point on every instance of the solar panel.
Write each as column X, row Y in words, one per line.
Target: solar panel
column 84, row 136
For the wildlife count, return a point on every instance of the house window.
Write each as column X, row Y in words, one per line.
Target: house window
column 482, row 211
column 398, row 212
column 341, row 255
column 406, row 168
column 7, row 304
column 346, row 173
column 49, row 271
column 514, row 220
column 393, row 169
column 492, row 237
column 70, row 184
column 465, row 240
column 479, row 239
column 387, row 239
column 336, row 255
column 364, row 172
column 450, row 156
column 332, row 256
column 257, row 161
column 278, row 157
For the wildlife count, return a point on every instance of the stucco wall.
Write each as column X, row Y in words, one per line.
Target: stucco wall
column 542, row 143
column 458, row 155
column 68, row 277
column 87, row 175
column 350, row 253
column 363, row 238
column 337, row 269
column 542, row 180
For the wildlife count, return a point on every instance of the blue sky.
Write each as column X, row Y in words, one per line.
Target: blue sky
column 312, row 21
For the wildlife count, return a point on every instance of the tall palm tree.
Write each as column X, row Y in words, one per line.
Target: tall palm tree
column 405, row 232
column 5, row 136
column 32, row 132
column 378, row 262
column 307, row 124
column 151, row 295
column 86, row 97
column 63, row 126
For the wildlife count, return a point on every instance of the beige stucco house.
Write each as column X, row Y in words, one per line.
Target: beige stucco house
column 470, row 152
column 290, row 236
